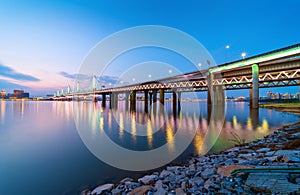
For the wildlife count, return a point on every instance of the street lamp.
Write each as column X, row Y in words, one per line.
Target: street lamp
column 243, row 55
column 227, row 50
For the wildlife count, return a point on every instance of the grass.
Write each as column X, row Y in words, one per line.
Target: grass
column 292, row 107
column 281, row 105
column 237, row 140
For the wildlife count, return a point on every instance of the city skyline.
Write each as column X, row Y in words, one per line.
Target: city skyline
column 44, row 43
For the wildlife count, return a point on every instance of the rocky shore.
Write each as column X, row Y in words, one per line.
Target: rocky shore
column 210, row 174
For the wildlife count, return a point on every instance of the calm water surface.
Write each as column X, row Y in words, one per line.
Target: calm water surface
column 42, row 152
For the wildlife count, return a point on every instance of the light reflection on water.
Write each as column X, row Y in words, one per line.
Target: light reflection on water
column 40, row 138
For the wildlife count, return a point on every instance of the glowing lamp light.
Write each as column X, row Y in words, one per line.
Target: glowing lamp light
column 243, row 55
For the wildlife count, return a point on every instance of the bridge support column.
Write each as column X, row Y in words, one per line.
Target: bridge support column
column 255, row 88
column 146, row 101
column 210, row 95
column 162, row 96
column 126, row 101
column 116, row 100
column 254, row 116
column 103, row 100
column 179, row 101
column 95, row 98
column 210, row 89
column 150, row 98
column 174, row 107
column 154, row 101
column 110, row 100
column 161, row 101
column 154, row 96
column 133, row 101
column 219, row 95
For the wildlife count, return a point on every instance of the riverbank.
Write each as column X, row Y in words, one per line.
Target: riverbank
column 211, row 173
column 283, row 107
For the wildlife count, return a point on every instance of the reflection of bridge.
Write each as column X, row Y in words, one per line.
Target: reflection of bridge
column 272, row 69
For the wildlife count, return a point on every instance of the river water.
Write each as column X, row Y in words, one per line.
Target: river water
column 44, row 149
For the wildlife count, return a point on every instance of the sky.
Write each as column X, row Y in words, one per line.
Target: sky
column 44, row 43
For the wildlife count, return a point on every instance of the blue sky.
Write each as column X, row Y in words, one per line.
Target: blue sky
column 41, row 39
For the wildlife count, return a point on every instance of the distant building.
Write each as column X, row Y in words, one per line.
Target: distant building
column 18, row 94
column 3, row 93
column 287, row 96
column 270, row 94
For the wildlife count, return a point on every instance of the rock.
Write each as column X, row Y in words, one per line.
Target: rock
column 208, row 173
column 243, row 162
column 102, row 188
column 192, row 167
column 291, row 159
column 268, row 154
column 209, row 184
column 239, row 190
column 286, row 152
column 174, row 168
column 140, row 190
column 86, row 192
column 149, row 193
column 226, row 170
column 203, row 159
column 245, row 156
column 147, row 179
column 224, row 191
column 271, row 158
column 235, row 149
column 159, row 188
column 126, row 179
column 229, row 162
column 165, row 173
column 263, row 150
column 198, row 181
column 183, row 185
column 179, row 191
column 116, row 191
column 189, row 172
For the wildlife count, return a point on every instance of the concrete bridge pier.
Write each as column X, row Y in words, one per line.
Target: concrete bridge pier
column 126, row 101
column 150, row 98
column 254, row 90
column 161, row 100
column 146, row 92
column 154, row 101
column 179, row 101
column 174, row 101
column 254, row 116
column 162, row 96
column 133, row 101
column 154, row 96
column 103, row 103
column 113, row 101
column 116, row 100
column 210, row 94
column 110, row 100
column 95, row 98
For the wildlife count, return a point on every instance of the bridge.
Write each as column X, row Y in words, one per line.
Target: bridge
column 276, row 68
